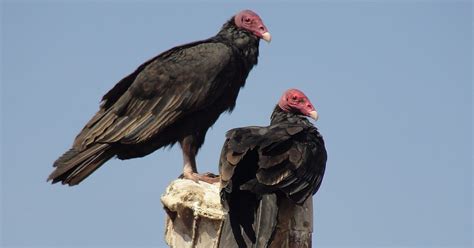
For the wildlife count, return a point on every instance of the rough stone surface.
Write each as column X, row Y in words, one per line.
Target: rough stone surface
column 195, row 214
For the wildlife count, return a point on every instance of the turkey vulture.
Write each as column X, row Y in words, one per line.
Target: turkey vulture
column 286, row 160
column 173, row 97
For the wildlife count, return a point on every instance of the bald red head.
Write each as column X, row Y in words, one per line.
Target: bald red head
column 250, row 21
column 295, row 101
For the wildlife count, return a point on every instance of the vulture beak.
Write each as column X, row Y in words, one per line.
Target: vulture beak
column 267, row 37
column 314, row 115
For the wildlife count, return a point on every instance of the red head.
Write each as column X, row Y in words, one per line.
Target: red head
column 250, row 21
column 295, row 101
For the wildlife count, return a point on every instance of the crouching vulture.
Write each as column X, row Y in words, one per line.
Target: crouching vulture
column 268, row 172
column 173, row 97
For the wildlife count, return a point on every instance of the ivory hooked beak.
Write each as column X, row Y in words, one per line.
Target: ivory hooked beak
column 314, row 115
column 267, row 37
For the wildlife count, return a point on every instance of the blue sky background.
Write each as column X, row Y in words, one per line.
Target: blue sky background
column 392, row 81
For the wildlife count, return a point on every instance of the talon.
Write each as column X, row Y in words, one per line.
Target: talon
column 207, row 177
column 210, row 174
column 191, row 176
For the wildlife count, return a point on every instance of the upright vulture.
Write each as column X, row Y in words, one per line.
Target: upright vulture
column 173, row 97
column 286, row 160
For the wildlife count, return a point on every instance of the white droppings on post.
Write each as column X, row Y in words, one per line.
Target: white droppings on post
column 195, row 214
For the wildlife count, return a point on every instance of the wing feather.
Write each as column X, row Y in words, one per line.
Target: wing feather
column 291, row 159
column 164, row 90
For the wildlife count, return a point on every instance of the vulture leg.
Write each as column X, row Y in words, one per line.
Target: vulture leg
column 189, row 156
column 189, row 149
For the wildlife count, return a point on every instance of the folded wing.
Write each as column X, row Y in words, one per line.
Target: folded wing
column 287, row 158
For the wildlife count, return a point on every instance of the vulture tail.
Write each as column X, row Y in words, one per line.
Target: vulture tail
column 266, row 220
column 74, row 166
column 251, row 221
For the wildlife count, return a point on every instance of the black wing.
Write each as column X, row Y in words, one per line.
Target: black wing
column 286, row 158
column 157, row 95
column 163, row 90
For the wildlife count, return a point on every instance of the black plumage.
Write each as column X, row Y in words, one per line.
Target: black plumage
column 285, row 160
column 174, row 97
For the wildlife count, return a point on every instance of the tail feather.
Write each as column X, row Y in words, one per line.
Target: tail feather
column 251, row 222
column 74, row 166
column 266, row 220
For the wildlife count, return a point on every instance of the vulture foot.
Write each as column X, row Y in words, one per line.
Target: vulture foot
column 207, row 177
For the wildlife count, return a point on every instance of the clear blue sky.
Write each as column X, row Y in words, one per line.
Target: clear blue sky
column 392, row 81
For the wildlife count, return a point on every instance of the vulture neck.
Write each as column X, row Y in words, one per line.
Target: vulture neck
column 281, row 116
column 242, row 41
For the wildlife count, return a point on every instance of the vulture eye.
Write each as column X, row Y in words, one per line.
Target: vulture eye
column 246, row 19
column 294, row 97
